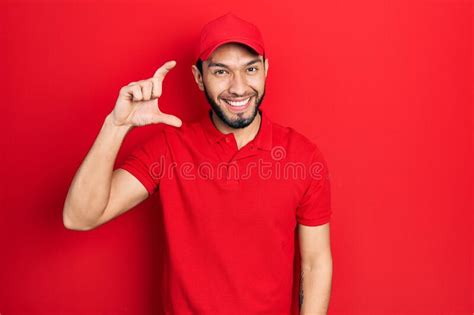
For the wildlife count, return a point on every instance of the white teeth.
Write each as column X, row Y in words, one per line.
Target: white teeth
column 241, row 103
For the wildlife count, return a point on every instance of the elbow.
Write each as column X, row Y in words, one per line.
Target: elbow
column 73, row 225
column 317, row 262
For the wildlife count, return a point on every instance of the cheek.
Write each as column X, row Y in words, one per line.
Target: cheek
column 257, row 82
column 216, row 88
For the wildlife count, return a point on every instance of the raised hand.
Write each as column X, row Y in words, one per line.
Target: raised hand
column 137, row 104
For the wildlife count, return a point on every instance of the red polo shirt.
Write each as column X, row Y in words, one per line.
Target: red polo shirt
column 230, row 215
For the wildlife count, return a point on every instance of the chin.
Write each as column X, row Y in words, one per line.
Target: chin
column 241, row 119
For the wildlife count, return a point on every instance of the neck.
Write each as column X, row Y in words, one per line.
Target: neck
column 242, row 135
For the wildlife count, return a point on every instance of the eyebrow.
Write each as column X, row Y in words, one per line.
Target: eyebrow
column 215, row 64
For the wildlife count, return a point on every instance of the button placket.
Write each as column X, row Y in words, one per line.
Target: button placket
column 248, row 150
column 230, row 179
column 234, row 154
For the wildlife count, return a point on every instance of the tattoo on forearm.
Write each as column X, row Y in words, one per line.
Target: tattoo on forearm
column 301, row 288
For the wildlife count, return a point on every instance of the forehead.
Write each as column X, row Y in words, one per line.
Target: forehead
column 233, row 52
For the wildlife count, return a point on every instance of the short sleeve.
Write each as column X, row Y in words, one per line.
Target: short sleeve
column 314, row 207
column 146, row 161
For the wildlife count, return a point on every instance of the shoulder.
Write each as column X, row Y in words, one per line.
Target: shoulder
column 295, row 142
column 189, row 136
column 301, row 149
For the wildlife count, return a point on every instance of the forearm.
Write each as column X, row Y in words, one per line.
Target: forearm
column 90, row 188
column 315, row 289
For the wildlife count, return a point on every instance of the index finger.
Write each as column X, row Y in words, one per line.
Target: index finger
column 164, row 69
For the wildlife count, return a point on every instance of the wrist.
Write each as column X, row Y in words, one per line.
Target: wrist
column 109, row 122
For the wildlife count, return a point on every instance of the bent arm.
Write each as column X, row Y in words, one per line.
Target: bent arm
column 95, row 183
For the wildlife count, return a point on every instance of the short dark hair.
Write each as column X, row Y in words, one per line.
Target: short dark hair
column 199, row 65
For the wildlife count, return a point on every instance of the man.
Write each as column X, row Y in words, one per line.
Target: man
column 235, row 187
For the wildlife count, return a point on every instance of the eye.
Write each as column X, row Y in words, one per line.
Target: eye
column 219, row 71
column 253, row 68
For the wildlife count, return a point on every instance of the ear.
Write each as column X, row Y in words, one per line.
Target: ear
column 266, row 67
column 197, row 77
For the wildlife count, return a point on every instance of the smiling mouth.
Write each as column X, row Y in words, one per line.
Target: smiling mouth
column 237, row 103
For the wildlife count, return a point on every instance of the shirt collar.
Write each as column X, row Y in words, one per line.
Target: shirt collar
column 262, row 140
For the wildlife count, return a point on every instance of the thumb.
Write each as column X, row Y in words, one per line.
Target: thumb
column 168, row 119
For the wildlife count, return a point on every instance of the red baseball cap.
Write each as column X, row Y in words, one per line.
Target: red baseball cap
column 225, row 29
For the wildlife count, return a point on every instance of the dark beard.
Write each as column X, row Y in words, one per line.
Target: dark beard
column 240, row 122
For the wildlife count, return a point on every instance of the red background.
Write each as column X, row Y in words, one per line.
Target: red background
column 383, row 87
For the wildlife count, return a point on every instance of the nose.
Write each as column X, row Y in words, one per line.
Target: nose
column 238, row 85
